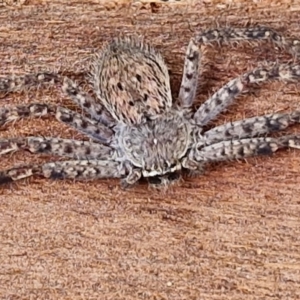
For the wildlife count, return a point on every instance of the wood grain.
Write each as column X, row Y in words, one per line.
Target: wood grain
column 232, row 233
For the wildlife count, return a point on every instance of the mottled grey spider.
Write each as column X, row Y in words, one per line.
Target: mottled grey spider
column 138, row 130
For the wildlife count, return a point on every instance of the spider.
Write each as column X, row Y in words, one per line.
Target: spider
column 136, row 130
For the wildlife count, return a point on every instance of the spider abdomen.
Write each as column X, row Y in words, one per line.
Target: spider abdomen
column 132, row 81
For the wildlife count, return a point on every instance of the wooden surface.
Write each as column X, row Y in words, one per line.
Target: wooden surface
column 232, row 233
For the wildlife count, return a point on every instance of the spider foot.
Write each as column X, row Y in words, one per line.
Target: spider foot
column 9, row 145
column 56, row 146
column 88, row 126
column 251, row 127
column 18, row 173
column 256, row 33
column 239, row 149
column 10, row 114
column 286, row 72
column 20, row 83
column 73, row 169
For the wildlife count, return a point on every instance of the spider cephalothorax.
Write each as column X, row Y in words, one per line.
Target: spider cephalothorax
column 158, row 146
column 136, row 127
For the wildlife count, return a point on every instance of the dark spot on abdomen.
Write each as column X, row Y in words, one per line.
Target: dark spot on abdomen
column 119, row 85
column 139, row 78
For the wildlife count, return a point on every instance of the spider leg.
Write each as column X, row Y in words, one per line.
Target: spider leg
column 189, row 81
column 82, row 99
column 250, row 33
column 56, row 146
column 226, row 95
column 251, row 127
column 88, row 126
column 96, row 110
column 239, row 149
column 73, row 169
column 19, row 83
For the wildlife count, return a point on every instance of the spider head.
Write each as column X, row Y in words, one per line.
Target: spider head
column 157, row 147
